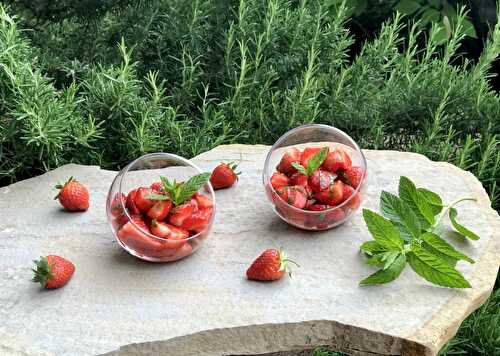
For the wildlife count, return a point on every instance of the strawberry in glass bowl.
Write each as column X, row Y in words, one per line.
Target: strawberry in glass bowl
column 315, row 176
column 161, row 207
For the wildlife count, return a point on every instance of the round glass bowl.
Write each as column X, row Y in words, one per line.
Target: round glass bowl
column 129, row 230
column 315, row 136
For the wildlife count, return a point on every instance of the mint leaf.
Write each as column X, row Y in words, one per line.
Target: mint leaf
column 157, row 197
column 460, row 228
column 398, row 211
column 434, row 200
column 388, row 258
column 316, row 160
column 445, row 258
column 372, row 247
column 435, row 270
column 383, row 231
column 299, row 168
column 388, row 274
column 444, row 247
column 180, row 192
column 409, row 194
column 191, row 186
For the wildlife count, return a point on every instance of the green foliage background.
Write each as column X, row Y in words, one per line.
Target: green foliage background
column 190, row 75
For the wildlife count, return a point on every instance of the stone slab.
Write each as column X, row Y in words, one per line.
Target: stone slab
column 203, row 305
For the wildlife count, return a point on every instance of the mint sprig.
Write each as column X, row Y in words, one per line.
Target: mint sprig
column 409, row 230
column 313, row 163
column 179, row 192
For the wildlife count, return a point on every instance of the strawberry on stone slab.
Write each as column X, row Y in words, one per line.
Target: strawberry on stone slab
column 271, row 265
column 53, row 271
column 73, row 195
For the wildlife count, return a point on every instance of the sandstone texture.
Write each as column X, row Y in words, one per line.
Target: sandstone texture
column 117, row 304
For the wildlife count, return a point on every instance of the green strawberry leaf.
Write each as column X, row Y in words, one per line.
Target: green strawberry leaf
column 434, row 200
column 409, row 194
column 435, row 270
column 444, row 247
column 395, row 209
column 460, row 228
column 316, row 160
column 372, row 247
column 388, row 274
column 299, row 168
column 383, row 231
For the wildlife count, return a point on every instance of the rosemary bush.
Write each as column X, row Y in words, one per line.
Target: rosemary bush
column 187, row 76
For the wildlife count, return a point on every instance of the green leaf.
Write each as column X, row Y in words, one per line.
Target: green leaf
column 383, row 231
column 434, row 200
column 375, row 260
column 460, row 228
column 430, row 15
column 468, row 28
column 407, row 7
column 372, row 247
column 386, row 275
column 316, row 160
column 388, row 258
column 449, row 260
column 444, row 247
column 157, row 197
column 409, row 194
column 191, row 186
column 299, row 168
column 434, row 270
column 398, row 211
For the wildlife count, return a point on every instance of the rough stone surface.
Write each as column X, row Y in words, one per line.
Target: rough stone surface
column 202, row 305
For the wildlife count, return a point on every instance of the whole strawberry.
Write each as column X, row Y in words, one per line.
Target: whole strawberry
column 73, row 195
column 269, row 266
column 53, row 271
column 224, row 175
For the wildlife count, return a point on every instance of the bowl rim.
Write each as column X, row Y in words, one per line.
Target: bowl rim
column 187, row 162
column 267, row 180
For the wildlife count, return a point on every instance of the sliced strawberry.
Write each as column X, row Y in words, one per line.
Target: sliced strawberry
column 354, row 202
column 130, row 204
column 203, row 201
column 335, row 216
column 347, row 191
column 294, row 196
column 135, row 237
column 319, row 207
column 352, row 176
column 181, row 213
column 197, row 221
column 298, row 179
column 117, row 204
column 156, row 186
column 173, row 254
column 308, row 153
column 337, row 159
column 306, row 190
column 321, row 180
column 160, row 210
column 333, row 195
column 310, row 202
column 291, row 155
column 279, row 180
column 143, row 203
column 160, row 229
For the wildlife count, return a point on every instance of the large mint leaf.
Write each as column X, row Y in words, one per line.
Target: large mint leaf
column 409, row 194
column 434, row 200
column 435, row 270
column 449, row 260
column 383, row 231
column 372, row 247
column 460, row 228
column 388, row 274
column 444, row 247
column 398, row 211
column 316, row 160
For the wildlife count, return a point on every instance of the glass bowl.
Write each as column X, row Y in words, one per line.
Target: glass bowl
column 131, row 226
column 315, row 136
